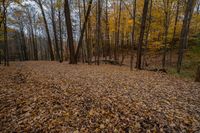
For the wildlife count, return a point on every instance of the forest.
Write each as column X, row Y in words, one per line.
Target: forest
column 100, row 66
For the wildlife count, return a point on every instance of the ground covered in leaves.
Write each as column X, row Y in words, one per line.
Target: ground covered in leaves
column 53, row 97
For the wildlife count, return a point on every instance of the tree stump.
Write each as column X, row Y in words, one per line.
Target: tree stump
column 198, row 74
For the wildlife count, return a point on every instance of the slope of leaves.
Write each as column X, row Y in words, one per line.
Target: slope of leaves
column 53, row 97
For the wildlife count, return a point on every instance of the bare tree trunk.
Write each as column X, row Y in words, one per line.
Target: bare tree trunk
column 108, row 49
column 118, row 31
column 198, row 75
column 6, row 53
column 35, row 36
column 86, row 32
column 83, row 28
column 61, row 38
column 173, row 42
column 122, row 43
column 166, row 29
column 133, row 33
column 147, row 34
column 0, row 57
column 142, row 30
column 98, row 28
column 47, row 30
column 184, row 32
column 24, row 49
column 80, row 25
column 73, row 59
column 55, row 30
column 89, row 42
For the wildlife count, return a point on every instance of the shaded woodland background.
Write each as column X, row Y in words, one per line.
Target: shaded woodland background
column 157, row 35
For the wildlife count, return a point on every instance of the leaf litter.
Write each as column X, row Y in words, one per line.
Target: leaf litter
column 53, row 97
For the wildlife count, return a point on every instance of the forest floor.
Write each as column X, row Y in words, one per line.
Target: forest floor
column 53, row 97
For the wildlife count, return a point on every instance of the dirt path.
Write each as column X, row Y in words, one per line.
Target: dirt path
column 48, row 96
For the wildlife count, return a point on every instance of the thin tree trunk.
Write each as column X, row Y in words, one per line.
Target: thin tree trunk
column 83, row 28
column 142, row 30
column 184, row 32
column 86, row 32
column 34, row 44
column 98, row 28
column 133, row 33
column 24, row 49
column 108, row 49
column 61, row 38
column 147, row 34
column 6, row 53
column 89, row 42
column 55, row 30
column 173, row 42
column 0, row 57
column 118, row 31
column 198, row 75
column 122, row 43
column 166, row 26
column 80, row 25
column 47, row 30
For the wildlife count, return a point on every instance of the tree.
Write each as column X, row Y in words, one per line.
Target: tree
column 142, row 30
column 167, row 9
column 184, row 32
column 73, row 59
column 173, row 42
column 83, row 29
column 108, row 47
column 198, row 75
column 55, row 30
column 6, row 53
column 118, row 31
column 133, row 32
column 23, row 41
column 147, row 33
column 98, row 29
column 0, row 57
column 30, row 17
column 60, row 30
column 47, row 29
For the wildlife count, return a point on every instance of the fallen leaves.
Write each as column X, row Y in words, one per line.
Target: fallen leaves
column 53, row 97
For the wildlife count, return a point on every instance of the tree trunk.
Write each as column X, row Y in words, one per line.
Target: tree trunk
column 55, row 30
column 184, row 32
column 24, row 49
column 198, row 75
column 61, row 38
column 173, row 42
column 73, row 59
column 142, row 30
column 6, row 53
column 0, row 57
column 133, row 33
column 47, row 30
column 83, row 28
column 147, row 34
column 117, row 38
column 98, row 29
column 35, row 54
column 89, row 42
column 108, row 49
column 166, row 30
column 88, row 58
